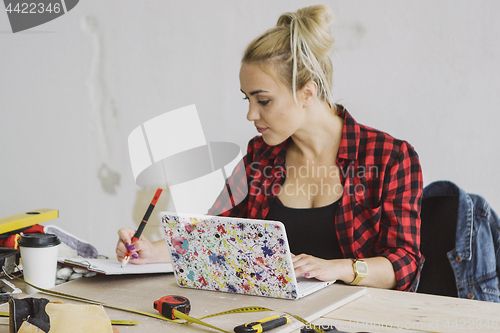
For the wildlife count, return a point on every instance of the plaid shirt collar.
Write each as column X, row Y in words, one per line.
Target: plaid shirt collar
column 349, row 144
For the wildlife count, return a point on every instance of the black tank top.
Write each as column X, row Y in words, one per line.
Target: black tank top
column 309, row 230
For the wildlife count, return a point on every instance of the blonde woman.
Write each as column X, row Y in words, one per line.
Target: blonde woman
column 349, row 195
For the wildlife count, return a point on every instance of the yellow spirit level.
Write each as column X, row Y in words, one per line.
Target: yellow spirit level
column 21, row 221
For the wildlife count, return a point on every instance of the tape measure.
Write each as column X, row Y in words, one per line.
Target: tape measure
column 173, row 305
column 167, row 304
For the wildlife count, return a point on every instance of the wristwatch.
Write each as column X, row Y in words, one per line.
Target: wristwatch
column 360, row 270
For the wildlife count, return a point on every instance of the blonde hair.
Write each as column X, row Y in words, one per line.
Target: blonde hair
column 298, row 49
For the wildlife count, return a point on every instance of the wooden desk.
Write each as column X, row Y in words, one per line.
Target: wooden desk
column 376, row 311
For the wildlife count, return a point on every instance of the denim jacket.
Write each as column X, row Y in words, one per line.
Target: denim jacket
column 476, row 257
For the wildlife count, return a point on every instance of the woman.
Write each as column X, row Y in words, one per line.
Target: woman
column 348, row 195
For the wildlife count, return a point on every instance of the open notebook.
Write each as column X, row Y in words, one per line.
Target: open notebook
column 237, row 255
column 113, row 267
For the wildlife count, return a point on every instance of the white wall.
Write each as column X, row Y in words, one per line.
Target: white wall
column 72, row 90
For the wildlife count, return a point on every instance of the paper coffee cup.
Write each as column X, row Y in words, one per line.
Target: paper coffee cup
column 39, row 260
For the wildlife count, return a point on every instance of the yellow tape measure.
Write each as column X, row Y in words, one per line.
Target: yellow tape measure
column 113, row 322
column 185, row 318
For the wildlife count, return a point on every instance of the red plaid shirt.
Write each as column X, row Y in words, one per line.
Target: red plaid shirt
column 379, row 213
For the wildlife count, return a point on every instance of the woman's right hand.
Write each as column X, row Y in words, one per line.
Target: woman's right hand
column 143, row 251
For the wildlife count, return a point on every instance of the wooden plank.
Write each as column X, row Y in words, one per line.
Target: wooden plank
column 382, row 309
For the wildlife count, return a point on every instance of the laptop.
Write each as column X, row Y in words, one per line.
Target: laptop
column 235, row 255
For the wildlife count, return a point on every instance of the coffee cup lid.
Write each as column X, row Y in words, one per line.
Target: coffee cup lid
column 38, row 240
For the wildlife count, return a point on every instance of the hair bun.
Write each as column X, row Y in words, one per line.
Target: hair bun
column 313, row 25
column 320, row 14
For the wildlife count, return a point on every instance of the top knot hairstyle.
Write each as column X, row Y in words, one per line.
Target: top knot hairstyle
column 298, row 49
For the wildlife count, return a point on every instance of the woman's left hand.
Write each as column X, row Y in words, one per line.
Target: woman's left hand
column 380, row 270
column 321, row 269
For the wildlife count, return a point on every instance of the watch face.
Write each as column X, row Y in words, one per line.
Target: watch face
column 361, row 267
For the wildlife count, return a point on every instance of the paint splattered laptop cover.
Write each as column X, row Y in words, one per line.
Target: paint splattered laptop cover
column 231, row 255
